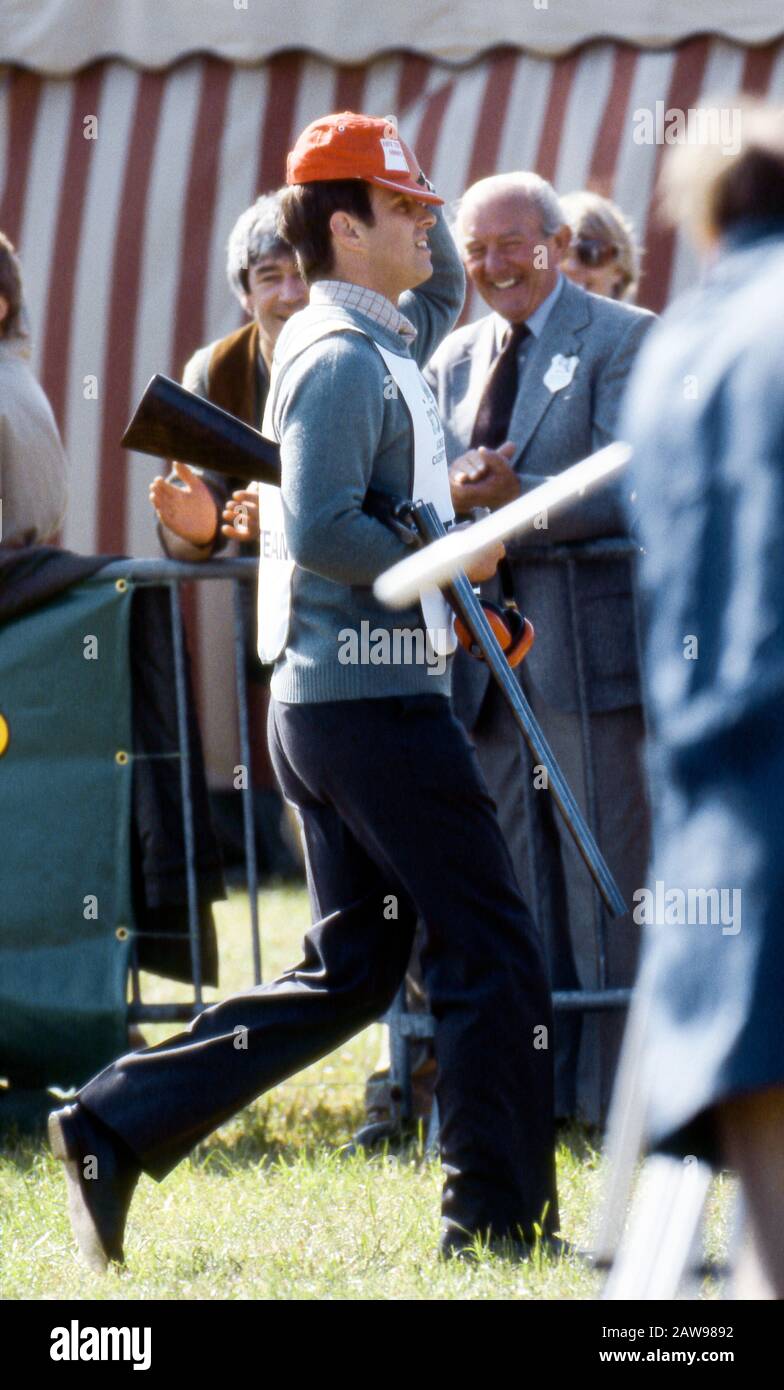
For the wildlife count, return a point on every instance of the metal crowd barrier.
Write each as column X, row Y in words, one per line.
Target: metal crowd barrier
column 410, row 1027
column 570, row 556
column 172, row 574
column 405, row 1027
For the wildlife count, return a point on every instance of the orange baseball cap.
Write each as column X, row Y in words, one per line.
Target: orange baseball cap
column 347, row 146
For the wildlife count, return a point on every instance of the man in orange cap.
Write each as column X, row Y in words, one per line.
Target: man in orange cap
column 396, row 819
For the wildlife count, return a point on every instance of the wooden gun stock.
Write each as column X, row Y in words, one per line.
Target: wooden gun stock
column 171, row 422
column 174, row 423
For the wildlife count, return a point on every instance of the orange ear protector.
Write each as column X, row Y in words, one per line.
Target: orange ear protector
column 514, row 632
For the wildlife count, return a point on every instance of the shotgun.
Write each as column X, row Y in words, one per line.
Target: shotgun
column 173, row 423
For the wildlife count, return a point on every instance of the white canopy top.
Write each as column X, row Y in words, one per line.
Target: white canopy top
column 60, row 36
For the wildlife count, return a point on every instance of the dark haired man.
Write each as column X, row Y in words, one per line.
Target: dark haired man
column 200, row 510
column 233, row 373
column 395, row 815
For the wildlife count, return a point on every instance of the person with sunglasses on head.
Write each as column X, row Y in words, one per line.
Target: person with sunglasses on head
column 525, row 391
column 396, row 818
column 603, row 255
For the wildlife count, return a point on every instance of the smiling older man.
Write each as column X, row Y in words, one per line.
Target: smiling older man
column 524, row 392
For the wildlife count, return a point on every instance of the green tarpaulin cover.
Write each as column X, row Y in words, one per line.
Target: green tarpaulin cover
column 65, row 808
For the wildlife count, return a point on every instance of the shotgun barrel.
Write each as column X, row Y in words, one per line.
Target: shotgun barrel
column 465, row 603
column 433, row 567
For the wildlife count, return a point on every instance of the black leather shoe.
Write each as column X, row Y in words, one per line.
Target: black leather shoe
column 101, row 1175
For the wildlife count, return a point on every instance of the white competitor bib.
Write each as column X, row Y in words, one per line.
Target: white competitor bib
column 430, row 484
column 431, row 481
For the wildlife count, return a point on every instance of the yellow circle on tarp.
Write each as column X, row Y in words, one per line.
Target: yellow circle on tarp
column 4, row 735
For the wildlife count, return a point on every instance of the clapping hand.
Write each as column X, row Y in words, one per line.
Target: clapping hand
column 483, row 478
column 189, row 511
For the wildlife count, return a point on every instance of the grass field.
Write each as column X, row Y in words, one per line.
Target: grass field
column 269, row 1207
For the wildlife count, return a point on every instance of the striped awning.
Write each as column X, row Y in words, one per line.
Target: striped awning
column 122, row 236
column 61, row 36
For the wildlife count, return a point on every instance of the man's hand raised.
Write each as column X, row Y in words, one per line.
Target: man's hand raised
column 189, row 511
column 483, row 478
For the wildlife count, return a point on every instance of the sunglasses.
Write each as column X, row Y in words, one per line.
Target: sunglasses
column 592, row 253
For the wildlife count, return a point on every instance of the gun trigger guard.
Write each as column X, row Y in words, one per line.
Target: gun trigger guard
column 395, row 513
column 404, row 532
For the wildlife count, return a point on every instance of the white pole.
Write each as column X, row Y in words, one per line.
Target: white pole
column 436, row 564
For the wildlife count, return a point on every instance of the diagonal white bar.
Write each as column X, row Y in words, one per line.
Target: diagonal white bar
column 439, row 562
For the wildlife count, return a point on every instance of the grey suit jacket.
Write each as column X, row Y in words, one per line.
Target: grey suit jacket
column 553, row 429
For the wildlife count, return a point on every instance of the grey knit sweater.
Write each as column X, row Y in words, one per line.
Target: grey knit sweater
column 342, row 431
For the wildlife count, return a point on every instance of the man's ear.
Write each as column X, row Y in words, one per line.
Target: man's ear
column 345, row 231
column 3, row 309
column 247, row 304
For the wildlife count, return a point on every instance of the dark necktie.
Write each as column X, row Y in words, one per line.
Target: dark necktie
column 491, row 426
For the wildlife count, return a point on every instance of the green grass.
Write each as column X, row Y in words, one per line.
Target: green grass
column 269, row 1207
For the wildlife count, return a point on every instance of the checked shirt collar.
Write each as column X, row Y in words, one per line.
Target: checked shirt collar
column 369, row 302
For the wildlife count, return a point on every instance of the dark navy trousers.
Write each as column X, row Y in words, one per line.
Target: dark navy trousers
column 397, row 822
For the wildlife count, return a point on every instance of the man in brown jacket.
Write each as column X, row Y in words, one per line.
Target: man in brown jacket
column 233, row 373
column 199, row 510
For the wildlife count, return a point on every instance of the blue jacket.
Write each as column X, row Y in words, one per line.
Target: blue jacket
column 705, row 415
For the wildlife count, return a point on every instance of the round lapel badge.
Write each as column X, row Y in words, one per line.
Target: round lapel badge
column 4, row 734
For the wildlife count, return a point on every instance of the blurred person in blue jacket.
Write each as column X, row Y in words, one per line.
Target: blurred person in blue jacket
column 705, row 415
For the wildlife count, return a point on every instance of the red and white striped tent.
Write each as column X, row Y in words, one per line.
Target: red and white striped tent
column 122, row 220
